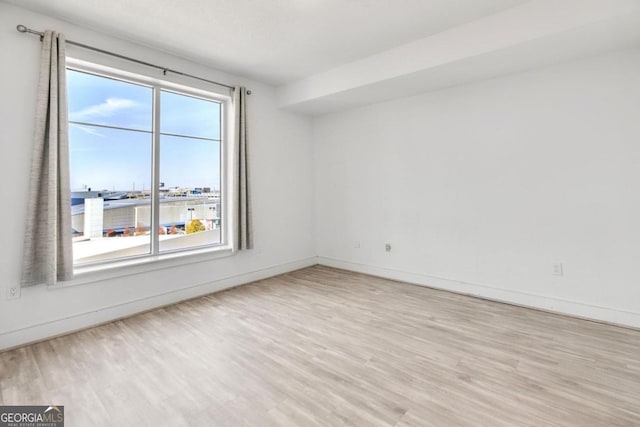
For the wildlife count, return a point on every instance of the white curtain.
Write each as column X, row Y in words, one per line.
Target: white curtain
column 48, row 254
column 242, row 208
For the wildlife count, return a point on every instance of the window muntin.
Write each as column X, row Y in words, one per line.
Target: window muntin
column 114, row 145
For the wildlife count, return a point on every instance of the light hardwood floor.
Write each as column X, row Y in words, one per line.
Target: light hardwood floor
column 325, row 347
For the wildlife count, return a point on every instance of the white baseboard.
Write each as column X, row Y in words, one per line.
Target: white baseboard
column 555, row 305
column 70, row 324
column 77, row 322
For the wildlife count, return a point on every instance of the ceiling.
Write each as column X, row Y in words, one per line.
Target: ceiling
column 275, row 41
column 329, row 55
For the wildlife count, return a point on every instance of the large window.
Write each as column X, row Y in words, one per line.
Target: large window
column 146, row 167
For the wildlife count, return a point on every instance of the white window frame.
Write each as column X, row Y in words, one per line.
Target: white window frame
column 156, row 260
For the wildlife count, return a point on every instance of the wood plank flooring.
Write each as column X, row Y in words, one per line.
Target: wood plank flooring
column 325, row 347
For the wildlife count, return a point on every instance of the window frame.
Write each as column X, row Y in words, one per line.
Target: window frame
column 156, row 259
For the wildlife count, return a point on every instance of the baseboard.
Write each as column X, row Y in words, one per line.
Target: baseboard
column 539, row 302
column 39, row 332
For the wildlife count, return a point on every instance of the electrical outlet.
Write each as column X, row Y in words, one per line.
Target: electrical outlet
column 356, row 244
column 387, row 247
column 557, row 269
column 13, row 292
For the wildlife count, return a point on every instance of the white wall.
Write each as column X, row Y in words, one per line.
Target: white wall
column 482, row 187
column 281, row 161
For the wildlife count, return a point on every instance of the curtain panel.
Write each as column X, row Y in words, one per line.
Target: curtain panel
column 48, row 256
column 243, row 227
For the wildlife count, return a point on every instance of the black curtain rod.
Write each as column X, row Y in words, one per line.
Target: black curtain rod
column 165, row 70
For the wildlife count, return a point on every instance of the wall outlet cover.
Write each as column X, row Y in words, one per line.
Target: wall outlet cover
column 557, row 269
column 13, row 292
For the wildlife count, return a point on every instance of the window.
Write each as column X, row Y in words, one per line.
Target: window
column 146, row 167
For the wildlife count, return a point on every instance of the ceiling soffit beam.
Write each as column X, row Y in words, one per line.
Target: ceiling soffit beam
column 505, row 30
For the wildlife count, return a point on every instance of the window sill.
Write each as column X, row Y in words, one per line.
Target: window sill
column 96, row 273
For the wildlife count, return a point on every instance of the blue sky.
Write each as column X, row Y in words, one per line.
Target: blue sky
column 114, row 159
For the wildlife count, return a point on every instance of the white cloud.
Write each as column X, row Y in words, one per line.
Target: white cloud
column 108, row 108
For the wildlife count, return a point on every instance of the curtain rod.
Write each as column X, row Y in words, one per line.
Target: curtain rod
column 23, row 29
